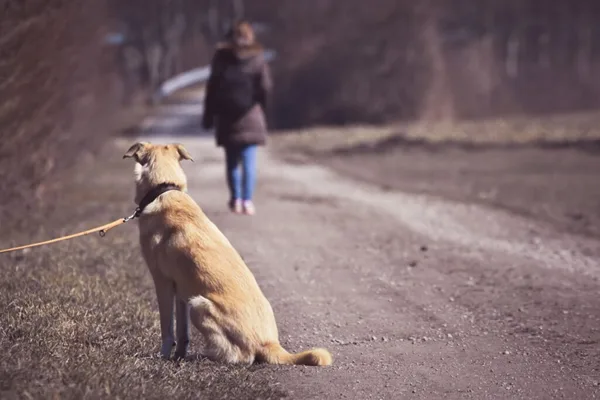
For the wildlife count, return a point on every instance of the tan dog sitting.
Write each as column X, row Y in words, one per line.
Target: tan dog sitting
column 192, row 263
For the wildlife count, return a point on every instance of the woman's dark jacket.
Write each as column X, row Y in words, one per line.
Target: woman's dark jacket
column 236, row 95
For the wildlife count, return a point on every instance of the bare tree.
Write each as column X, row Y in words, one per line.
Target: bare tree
column 438, row 103
column 214, row 23
column 238, row 9
column 584, row 46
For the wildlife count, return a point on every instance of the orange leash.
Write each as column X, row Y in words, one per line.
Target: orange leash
column 100, row 229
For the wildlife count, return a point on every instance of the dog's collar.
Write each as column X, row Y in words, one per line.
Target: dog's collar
column 153, row 195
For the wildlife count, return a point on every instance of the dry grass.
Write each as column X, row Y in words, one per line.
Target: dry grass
column 79, row 320
column 508, row 131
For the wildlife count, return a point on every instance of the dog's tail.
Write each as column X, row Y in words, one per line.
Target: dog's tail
column 273, row 353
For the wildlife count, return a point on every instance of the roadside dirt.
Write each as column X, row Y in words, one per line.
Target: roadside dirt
column 552, row 184
column 542, row 168
column 416, row 296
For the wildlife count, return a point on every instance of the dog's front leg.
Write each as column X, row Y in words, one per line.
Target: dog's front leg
column 182, row 330
column 165, row 293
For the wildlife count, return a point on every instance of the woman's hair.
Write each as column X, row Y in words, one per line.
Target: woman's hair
column 241, row 34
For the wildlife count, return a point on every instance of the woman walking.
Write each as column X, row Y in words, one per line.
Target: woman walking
column 235, row 103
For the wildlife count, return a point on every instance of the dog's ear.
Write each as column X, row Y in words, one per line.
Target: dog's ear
column 183, row 153
column 137, row 151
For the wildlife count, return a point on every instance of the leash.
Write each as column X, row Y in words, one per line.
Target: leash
column 149, row 198
column 100, row 229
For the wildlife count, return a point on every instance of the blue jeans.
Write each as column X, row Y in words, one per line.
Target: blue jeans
column 241, row 183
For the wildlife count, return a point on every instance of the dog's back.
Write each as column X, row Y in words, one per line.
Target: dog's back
column 183, row 248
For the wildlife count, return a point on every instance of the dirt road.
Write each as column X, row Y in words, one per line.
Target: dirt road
column 416, row 297
column 413, row 295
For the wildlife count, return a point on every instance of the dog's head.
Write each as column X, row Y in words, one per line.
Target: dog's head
column 157, row 164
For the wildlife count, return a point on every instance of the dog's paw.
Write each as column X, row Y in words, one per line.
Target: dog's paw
column 181, row 350
column 166, row 349
column 179, row 355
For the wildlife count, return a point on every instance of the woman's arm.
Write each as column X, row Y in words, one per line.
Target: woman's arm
column 265, row 86
column 208, row 117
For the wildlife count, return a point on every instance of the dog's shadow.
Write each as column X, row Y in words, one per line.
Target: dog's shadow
column 193, row 357
column 198, row 358
column 156, row 356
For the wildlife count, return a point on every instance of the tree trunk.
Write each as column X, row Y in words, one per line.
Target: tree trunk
column 438, row 104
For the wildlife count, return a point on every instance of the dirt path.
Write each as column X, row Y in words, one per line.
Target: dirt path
column 415, row 297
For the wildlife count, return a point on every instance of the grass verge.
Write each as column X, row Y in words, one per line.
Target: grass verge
column 78, row 319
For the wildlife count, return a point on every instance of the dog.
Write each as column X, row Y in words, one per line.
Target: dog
column 195, row 266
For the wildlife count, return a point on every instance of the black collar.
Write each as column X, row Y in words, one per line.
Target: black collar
column 153, row 195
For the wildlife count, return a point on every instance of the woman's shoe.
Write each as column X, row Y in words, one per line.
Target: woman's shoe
column 248, row 207
column 236, row 206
